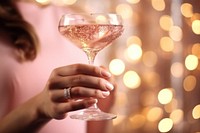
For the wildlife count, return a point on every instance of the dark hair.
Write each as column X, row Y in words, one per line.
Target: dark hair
column 22, row 34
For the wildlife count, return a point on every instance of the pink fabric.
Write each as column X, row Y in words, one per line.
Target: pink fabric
column 19, row 82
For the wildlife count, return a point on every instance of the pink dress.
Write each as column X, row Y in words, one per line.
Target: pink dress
column 20, row 81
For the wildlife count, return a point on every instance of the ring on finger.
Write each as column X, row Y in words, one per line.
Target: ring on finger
column 67, row 93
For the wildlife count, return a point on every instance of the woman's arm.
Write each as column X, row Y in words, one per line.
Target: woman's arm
column 24, row 118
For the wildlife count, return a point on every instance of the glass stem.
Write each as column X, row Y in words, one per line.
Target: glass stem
column 91, row 54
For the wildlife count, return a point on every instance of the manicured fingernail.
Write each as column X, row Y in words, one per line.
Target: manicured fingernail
column 109, row 86
column 105, row 93
column 105, row 73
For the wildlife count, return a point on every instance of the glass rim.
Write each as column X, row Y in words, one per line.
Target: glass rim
column 112, row 18
column 91, row 13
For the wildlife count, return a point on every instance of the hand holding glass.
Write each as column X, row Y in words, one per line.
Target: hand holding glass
column 91, row 33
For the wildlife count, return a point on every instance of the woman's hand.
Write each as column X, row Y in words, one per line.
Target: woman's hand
column 87, row 82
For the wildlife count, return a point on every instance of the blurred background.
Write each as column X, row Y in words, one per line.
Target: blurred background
column 155, row 62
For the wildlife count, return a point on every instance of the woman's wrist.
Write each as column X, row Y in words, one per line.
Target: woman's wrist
column 25, row 118
column 34, row 117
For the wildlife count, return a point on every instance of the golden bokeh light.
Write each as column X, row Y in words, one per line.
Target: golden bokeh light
column 124, row 10
column 116, row 66
column 133, row 52
column 43, row 2
column 187, row 10
column 177, row 116
column 151, row 114
column 195, row 112
column 196, row 27
column 165, row 125
column 191, row 62
column 167, row 44
column 134, row 40
column 131, row 79
column 177, row 69
column 133, row 1
column 196, row 50
column 176, row 33
column 150, row 58
column 166, row 22
column 165, row 96
column 189, row 83
column 158, row 5
column 63, row 2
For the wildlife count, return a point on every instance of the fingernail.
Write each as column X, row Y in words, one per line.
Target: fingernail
column 105, row 93
column 105, row 73
column 109, row 86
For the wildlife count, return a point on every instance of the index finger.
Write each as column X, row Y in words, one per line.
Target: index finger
column 82, row 69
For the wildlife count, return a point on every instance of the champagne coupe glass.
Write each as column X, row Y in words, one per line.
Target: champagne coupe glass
column 91, row 32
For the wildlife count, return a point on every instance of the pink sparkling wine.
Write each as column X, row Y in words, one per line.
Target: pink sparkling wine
column 91, row 36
